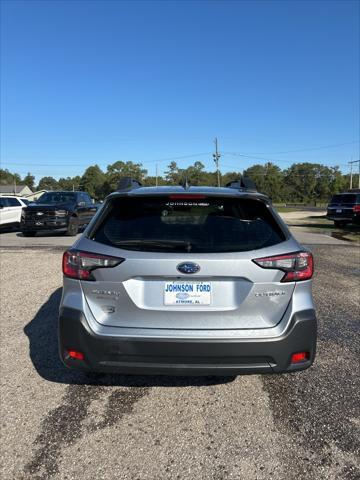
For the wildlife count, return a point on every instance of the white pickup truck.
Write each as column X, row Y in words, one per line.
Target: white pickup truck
column 10, row 210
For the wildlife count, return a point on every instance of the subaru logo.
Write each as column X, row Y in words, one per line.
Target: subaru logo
column 188, row 267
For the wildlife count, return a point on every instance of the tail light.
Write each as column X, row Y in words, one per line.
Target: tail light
column 297, row 266
column 80, row 265
column 356, row 208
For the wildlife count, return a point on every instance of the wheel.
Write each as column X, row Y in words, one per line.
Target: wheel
column 72, row 229
column 29, row 234
column 339, row 223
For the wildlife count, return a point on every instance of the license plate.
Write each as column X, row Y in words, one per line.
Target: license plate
column 187, row 293
column 338, row 211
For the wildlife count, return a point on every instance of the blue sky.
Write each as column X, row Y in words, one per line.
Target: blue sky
column 87, row 82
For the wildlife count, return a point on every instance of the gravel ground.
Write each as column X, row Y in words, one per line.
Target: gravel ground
column 57, row 425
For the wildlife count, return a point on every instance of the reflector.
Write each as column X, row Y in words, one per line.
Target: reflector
column 300, row 357
column 75, row 354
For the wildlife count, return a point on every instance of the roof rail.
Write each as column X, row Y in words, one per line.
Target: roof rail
column 243, row 183
column 184, row 182
column 128, row 183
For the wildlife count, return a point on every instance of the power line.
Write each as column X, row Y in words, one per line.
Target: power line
column 282, row 174
column 274, row 160
column 237, row 154
column 177, row 158
column 254, row 156
column 48, row 173
column 307, row 149
column 108, row 162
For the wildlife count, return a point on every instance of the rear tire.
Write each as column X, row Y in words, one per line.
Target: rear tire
column 339, row 223
column 72, row 229
column 29, row 234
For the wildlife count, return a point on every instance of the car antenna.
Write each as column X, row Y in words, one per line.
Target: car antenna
column 185, row 183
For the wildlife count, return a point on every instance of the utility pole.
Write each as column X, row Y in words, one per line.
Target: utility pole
column 156, row 175
column 351, row 172
column 216, row 156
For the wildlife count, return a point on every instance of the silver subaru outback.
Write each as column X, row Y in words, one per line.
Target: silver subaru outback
column 189, row 281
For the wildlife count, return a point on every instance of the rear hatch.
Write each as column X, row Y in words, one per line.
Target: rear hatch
column 187, row 264
column 342, row 205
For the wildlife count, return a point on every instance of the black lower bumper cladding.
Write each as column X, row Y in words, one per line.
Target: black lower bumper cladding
column 46, row 225
column 180, row 356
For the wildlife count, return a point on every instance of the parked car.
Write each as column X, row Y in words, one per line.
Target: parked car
column 187, row 280
column 344, row 208
column 66, row 211
column 10, row 211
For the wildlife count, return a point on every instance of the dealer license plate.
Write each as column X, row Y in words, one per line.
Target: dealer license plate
column 187, row 293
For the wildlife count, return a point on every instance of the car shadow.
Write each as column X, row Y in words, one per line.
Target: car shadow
column 46, row 233
column 327, row 226
column 50, row 233
column 43, row 348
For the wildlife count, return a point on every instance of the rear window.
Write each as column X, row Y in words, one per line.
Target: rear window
column 202, row 225
column 347, row 198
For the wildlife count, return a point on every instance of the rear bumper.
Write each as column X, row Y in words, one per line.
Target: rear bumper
column 45, row 225
column 185, row 356
column 350, row 218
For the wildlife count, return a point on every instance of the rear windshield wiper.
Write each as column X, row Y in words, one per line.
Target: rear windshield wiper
column 156, row 243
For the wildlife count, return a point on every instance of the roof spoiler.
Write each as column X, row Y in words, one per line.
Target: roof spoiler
column 243, row 183
column 128, row 183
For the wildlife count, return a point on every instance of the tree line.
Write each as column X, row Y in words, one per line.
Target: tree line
column 300, row 183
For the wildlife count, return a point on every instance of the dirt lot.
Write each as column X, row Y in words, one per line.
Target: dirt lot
column 304, row 223
column 57, row 425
